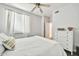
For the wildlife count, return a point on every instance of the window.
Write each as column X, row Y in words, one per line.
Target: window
column 21, row 24
column 16, row 23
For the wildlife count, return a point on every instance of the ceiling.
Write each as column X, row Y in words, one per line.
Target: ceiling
column 47, row 11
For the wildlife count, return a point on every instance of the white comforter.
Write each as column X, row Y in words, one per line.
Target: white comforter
column 36, row 46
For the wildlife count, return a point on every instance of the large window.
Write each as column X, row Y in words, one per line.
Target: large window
column 21, row 24
column 17, row 23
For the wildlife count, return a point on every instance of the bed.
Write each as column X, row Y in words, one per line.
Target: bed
column 36, row 46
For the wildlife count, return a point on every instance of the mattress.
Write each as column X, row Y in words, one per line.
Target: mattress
column 36, row 46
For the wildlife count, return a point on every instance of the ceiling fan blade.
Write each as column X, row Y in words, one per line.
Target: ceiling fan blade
column 45, row 5
column 40, row 10
column 33, row 9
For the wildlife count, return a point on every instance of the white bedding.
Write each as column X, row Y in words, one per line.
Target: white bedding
column 36, row 46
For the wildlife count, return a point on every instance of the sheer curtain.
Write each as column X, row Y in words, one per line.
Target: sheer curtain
column 19, row 23
column 22, row 23
column 16, row 23
column 26, row 24
column 9, row 21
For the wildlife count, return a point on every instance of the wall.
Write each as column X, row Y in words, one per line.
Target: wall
column 2, row 21
column 76, row 6
column 36, row 26
column 67, row 16
column 35, row 20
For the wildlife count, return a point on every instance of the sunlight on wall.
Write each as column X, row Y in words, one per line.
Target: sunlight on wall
column 50, row 30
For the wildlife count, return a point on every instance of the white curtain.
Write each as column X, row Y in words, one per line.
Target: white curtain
column 16, row 23
column 22, row 23
column 9, row 21
column 19, row 23
column 27, row 24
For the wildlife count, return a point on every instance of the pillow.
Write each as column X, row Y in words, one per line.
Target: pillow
column 9, row 43
column 3, row 36
column 1, row 41
column 2, row 49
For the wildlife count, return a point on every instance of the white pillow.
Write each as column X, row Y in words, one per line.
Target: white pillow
column 1, row 41
column 3, row 36
column 9, row 43
column 1, row 49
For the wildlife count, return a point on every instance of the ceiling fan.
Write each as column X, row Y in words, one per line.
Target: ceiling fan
column 38, row 5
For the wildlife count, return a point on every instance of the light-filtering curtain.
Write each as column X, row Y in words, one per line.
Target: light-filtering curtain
column 22, row 23
column 19, row 23
column 9, row 21
column 16, row 23
column 26, row 24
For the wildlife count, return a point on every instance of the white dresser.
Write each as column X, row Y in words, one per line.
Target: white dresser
column 65, row 38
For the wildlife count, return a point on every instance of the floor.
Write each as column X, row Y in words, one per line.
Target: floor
column 69, row 53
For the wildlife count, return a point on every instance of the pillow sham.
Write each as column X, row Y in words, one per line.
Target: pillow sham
column 3, row 36
column 9, row 43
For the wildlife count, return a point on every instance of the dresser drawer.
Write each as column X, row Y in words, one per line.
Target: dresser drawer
column 65, row 38
column 62, row 39
column 67, row 46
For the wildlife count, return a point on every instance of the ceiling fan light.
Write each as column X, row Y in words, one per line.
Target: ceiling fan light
column 37, row 5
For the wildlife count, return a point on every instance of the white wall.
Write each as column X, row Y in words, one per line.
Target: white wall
column 2, row 21
column 76, row 6
column 36, row 25
column 68, row 16
column 35, row 20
